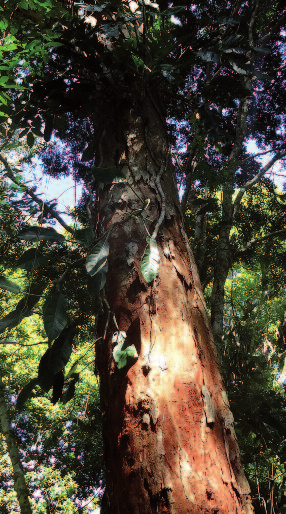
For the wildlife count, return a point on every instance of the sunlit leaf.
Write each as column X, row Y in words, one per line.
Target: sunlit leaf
column 150, row 263
column 8, row 285
column 123, row 352
column 97, row 260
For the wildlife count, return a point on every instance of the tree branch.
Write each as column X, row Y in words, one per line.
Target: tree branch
column 259, row 239
column 10, row 175
column 255, row 179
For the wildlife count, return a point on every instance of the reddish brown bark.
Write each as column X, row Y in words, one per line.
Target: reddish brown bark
column 170, row 445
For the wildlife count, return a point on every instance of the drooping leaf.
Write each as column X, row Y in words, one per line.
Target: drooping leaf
column 97, row 260
column 45, row 377
column 150, row 263
column 69, row 393
column 58, row 385
column 7, row 285
column 96, row 283
column 30, row 139
column 55, row 313
column 55, row 358
column 25, row 393
column 107, row 175
column 32, row 259
column 85, row 235
column 41, row 234
column 61, row 350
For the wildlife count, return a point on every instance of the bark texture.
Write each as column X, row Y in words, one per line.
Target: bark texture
column 169, row 440
column 20, row 485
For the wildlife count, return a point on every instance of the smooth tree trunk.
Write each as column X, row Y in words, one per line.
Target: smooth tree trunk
column 169, row 440
column 20, row 485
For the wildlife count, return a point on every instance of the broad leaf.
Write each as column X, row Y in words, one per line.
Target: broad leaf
column 55, row 359
column 150, row 263
column 32, row 259
column 123, row 352
column 26, row 393
column 69, row 393
column 61, row 350
column 97, row 260
column 107, row 175
column 96, row 283
column 8, row 285
column 45, row 377
column 41, row 234
column 58, row 385
column 55, row 314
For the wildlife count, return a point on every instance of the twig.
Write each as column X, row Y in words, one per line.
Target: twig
column 9, row 174
column 255, row 179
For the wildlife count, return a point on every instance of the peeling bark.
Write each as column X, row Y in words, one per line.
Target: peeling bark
column 169, row 441
column 20, row 485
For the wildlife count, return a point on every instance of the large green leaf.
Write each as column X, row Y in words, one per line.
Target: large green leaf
column 69, row 393
column 97, row 260
column 96, row 283
column 32, row 259
column 107, row 175
column 55, row 313
column 150, row 263
column 8, row 285
column 41, row 234
column 55, row 358
column 26, row 393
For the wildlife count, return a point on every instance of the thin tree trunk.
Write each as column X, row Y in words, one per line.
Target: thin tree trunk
column 20, row 485
column 222, row 264
column 169, row 441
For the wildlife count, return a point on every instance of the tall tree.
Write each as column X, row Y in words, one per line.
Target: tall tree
column 167, row 428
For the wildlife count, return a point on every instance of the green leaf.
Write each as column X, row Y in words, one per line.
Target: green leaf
column 55, row 358
column 62, row 349
column 123, row 352
column 55, row 313
column 107, row 175
column 7, row 285
column 150, row 263
column 70, row 391
column 45, row 377
column 96, row 283
column 41, row 234
column 85, row 235
column 26, row 393
column 32, row 259
column 97, row 260
column 30, row 139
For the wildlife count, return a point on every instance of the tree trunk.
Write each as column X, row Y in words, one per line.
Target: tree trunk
column 222, row 265
column 20, row 485
column 169, row 441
